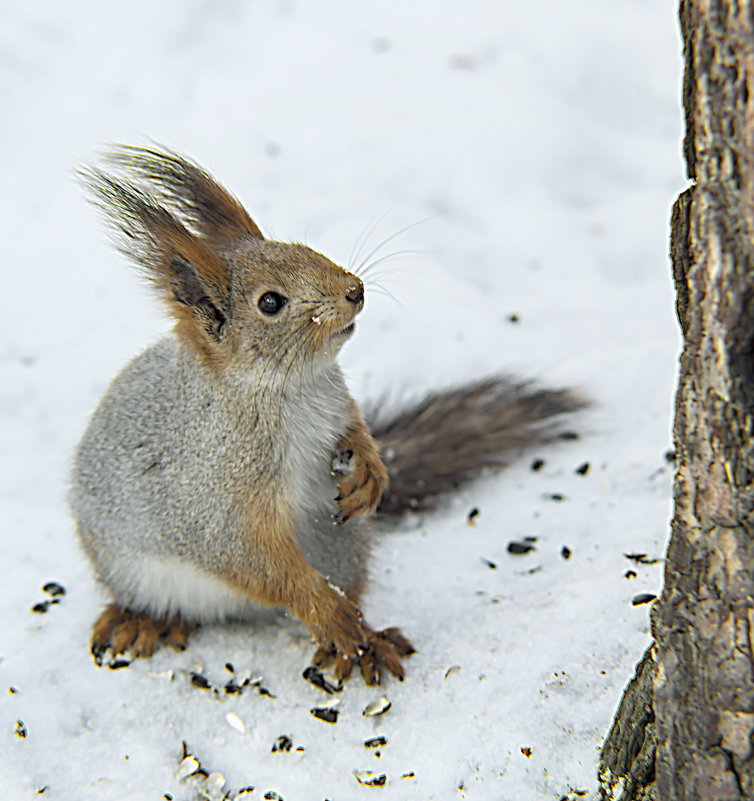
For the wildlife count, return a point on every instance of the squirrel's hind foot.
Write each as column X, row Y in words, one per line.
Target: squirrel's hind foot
column 119, row 630
column 383, row 649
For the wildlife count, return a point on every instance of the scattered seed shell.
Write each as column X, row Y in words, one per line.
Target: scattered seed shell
column 271, row 795
column 54, row 589
column 377, row 707
column 582, row 469
column 369, row 778
column 248, row 790
column 316, row 677
column 537, row 465
column 517, row 547
column 200, row 681
column 188, row 767
column 565, row 552
column 490, row 564
column 409, row 775
column 342, row 462
column 326, row 713
column 527, row 752
column 629, row 574
column 641, row 558
column 21, row 730
column 283, row 743
column 643, row 598
column 473, row 514
column 452, row 669
column 41, row 607
column 235, row 722
column 375, row 742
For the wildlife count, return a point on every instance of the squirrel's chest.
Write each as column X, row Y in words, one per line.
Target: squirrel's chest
column 311, row 428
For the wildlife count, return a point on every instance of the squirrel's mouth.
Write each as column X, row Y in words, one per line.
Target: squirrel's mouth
column 345, row 332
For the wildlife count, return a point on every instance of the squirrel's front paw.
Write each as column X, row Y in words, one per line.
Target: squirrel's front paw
column 362, row 486
column 380, row 650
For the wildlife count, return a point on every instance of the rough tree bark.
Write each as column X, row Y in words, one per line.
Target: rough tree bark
column 694, row 690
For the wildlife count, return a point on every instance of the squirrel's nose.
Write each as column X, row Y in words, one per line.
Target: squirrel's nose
column 355, row 295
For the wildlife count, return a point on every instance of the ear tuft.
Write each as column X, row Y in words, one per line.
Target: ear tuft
column 190, row 276
column 202, row 203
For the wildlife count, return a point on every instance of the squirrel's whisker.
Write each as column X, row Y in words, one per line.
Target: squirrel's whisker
column 368, row 230
column 377, row 248
column 364, row 274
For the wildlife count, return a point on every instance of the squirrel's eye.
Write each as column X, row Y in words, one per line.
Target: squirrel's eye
column 271, row 303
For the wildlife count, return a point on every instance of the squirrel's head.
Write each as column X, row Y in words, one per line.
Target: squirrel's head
column 236, row 297
column 290, row 303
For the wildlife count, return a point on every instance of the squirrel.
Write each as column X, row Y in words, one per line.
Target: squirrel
column 227, row 467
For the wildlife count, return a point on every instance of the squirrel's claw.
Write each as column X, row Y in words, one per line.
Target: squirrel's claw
column 383, row 651
column 402, row 644
column 343, row 665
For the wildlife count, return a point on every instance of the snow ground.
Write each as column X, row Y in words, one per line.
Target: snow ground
column 542, row 141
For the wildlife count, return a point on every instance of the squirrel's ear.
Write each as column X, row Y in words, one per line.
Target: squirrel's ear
column 192, row 278
column 196, row 197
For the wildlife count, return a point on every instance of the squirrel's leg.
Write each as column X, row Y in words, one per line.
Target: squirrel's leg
column 278, row 573
column 120, row 629
column 375, row 656
column 361, row 489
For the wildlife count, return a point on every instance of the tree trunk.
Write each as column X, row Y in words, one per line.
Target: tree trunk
column 700, row 702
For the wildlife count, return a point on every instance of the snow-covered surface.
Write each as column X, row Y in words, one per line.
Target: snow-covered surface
column 542, row 141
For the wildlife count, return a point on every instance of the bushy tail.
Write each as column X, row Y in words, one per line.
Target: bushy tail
column 451, row 437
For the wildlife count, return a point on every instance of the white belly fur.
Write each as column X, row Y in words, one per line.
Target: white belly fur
column 168, row 586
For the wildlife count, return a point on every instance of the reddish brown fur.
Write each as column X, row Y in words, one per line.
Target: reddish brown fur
column 137, row 632
column 213, row 270
column 283, row 577
column 361, row 490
